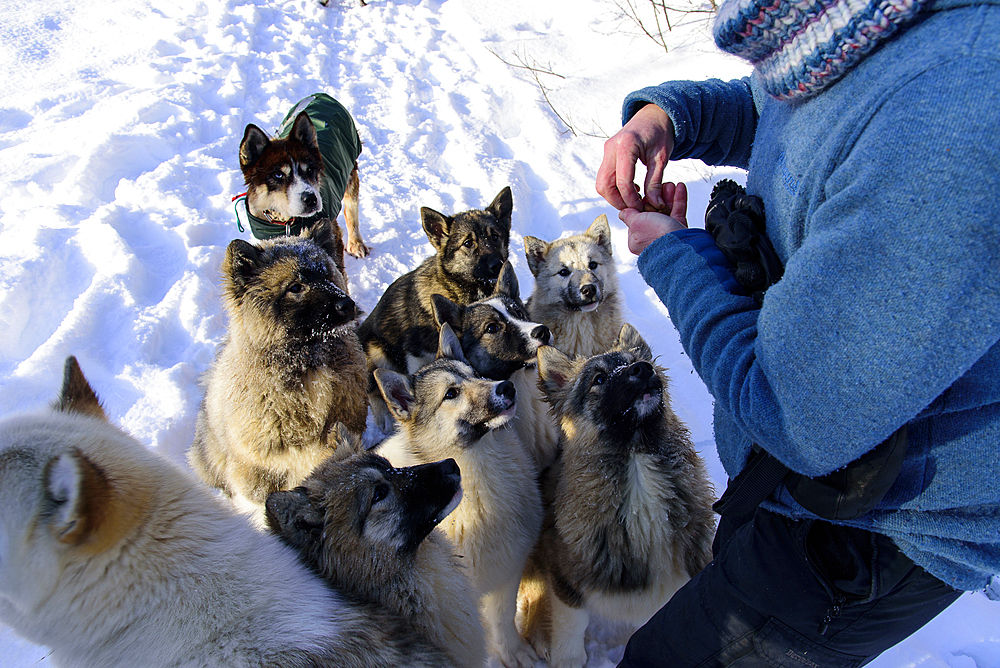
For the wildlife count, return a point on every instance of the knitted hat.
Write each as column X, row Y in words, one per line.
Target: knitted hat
column 799, row 47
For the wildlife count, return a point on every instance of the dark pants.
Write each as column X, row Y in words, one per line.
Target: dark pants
column 797, row 593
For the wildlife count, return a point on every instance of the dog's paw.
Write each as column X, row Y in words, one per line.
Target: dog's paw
column 357, row 248
column 539, row 643
column 572, row 655
column 517, row 654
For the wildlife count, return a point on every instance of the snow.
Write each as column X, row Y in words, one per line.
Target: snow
column 119, row 128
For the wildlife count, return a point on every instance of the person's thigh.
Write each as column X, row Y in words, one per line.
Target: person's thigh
column 763, row 602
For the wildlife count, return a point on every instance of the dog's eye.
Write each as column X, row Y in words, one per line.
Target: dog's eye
column 492, row 328
column 564, row 271
column 451, row 393
column 593, row 265
column 278, row 176
column 296, row 288
column 469, row 243
column 379, row 493
column 599, row 379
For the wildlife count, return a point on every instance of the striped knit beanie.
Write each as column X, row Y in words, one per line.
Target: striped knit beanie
column 798, row 47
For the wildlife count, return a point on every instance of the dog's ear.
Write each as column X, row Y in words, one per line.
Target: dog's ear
column 252, row 147
column 327, row 235
column 77, row 396
column 501, row 208
column 80, row 496
column 447, row 312
column 507, row 283
column 535, row 251
column 555, row 370
column 304, row 131
column 600, row 232
column 436, row 225
column 397, row 392
column 291, row 516
column 449, row 346
column 241, row 264
column 630, row 339
column 345, row 443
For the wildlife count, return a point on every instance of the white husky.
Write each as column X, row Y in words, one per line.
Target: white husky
column 115, row 557
column 576, row 291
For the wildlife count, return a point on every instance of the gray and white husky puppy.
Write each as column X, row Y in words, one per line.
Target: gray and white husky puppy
column 115, row 557
column 500, row 343
column 446, row 411
column 630, row 519
column 369, row 529
column 576, row 292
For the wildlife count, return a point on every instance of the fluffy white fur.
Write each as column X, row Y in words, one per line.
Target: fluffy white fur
column 115, row 557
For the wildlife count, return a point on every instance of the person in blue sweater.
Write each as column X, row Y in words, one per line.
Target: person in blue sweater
column 869, row 133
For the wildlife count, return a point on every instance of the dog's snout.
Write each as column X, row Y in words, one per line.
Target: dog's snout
column 345, row 308
column 494, row 265
column 541, row 333
column 588, row 291
column 309, row 199
column 506, row 390
column 641, row 371
column 449, row 467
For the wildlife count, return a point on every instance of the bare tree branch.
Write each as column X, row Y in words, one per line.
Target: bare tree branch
column 535, row 71
column 644, row 14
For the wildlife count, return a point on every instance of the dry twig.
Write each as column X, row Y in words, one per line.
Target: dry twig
column 535, row 71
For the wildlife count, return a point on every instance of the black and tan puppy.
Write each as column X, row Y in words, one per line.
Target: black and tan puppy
column 630, row 517
column 368, row 528
column 290, row 368
column 400, row 333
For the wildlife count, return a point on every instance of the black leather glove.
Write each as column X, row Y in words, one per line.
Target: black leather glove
column 736, row 221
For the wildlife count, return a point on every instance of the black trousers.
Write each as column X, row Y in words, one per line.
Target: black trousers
column 797, row 593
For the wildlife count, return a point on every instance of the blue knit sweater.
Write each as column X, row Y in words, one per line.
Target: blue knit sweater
column 882, row 196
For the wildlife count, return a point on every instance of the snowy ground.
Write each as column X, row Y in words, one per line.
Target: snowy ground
column 119, row 128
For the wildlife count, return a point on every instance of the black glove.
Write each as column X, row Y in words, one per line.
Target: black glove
column 736, row 221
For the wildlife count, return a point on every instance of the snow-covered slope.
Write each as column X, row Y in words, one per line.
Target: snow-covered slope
column 119, row 128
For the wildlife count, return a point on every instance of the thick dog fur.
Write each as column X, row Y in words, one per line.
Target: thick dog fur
column 114, row 557
column 283, row 177
column 630, row 519
column 445, row 411
column 368, row 528
column 290, row 369
column 500, row 343
column 470, row 248
column 576, row 291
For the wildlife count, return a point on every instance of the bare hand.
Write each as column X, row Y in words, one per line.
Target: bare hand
column 645, row 227
column 649, row 137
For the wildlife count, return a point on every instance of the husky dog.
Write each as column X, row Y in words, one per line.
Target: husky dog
column 445, row 411
column 290, row 368
column 115, row 557
column 470, row 249
column 630, row 518
column 500, row 343
column 306, row 174
column 576, row 289
column 368, row 528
